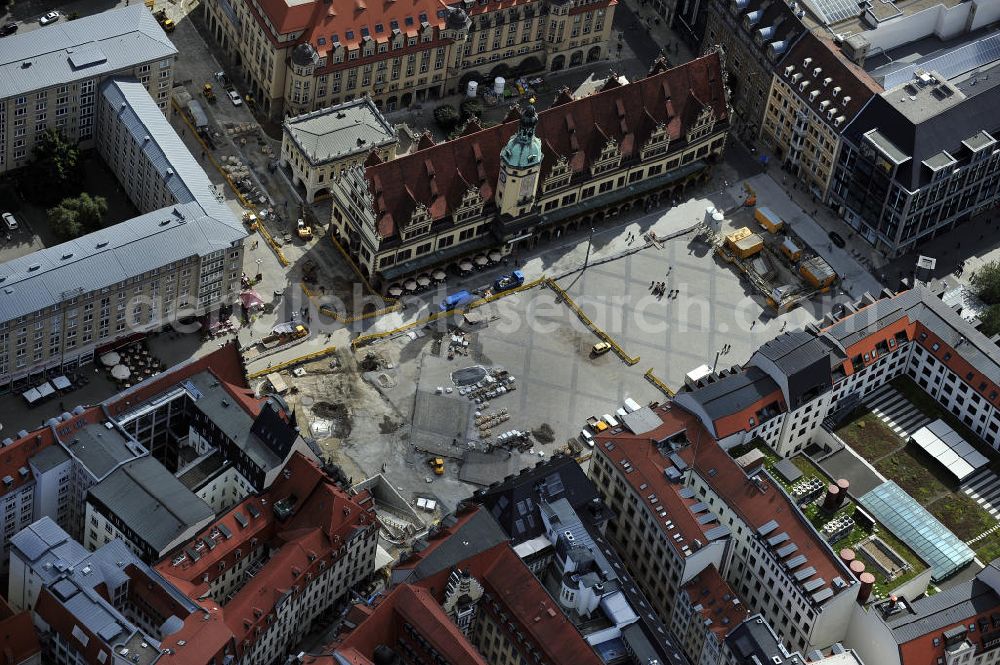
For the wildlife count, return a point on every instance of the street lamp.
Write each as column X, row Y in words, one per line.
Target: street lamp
column 590, row 242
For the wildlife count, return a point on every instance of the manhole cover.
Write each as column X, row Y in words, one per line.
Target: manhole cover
column 306, row 400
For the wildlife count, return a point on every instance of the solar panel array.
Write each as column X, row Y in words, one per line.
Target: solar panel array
column 949, row 449
column 958, row 61
column 835, row 11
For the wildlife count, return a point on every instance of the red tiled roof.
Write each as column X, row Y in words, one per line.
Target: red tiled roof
column 18, row 641
column 15, row 456
column 323, row 518
column 719, row 603
column 416, row 606
column 648, row 469
column 757, row 507
column 439, row 176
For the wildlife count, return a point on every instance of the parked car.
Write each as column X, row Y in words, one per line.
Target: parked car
column 9, row 221
column 8, row 29
column 600, row 349
column 836, row 239
column 51, row 17
column 234, row 97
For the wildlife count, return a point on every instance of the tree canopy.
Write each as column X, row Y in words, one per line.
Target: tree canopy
column 74, row 217
column 54, row 168
column 986, row 283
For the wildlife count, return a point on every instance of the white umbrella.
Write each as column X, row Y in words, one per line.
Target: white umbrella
column 481, row 260
column 439, row 275
column 495, row 255
column 423, row 280
column 110, row 359
column 410, row 285
column 395, row 290
column 121, row 372
column 465, row 265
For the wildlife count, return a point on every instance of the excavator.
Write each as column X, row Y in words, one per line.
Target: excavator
column 751, row 199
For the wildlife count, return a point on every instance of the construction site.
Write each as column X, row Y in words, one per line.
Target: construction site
column 767, row 253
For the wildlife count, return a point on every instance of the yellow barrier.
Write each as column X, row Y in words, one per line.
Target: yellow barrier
column 340, row 318
column 239, row 195
column 664, row 388
column 309, row 357
column 619, row 351
column 364, row 340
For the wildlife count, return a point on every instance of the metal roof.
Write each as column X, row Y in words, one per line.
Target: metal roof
column 105, row 258
column 731, row 394
column 337, row 132
column 151, row 502
column 88, row 47
column 99, row 449
column 957, row 604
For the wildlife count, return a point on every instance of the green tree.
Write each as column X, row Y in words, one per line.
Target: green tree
column 473, row 106
column 989, row 322
column 446, row 117
column 54, row 168
column 986, row 283
column 74, row 217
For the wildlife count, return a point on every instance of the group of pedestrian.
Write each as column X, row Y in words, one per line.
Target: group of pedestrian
column 659, row 290
column 726, row 348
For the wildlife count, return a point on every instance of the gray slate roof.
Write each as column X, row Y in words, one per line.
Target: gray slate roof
column 945, row 609
column 85, row 48
column 337, row 132
column 152, row 502
column 99, row 449
column 734, row 393
column 478, row 534
column 104, row 258
column 166, row 151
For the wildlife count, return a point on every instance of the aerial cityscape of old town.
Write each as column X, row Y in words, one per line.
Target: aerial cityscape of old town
column 499, row 332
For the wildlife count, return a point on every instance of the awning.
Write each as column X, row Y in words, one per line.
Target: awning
column 46, row 389
column 110, row 359
column 61, row 383
column 251, row 300
column 31, row 396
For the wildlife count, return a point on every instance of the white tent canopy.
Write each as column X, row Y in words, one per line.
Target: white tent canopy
column 949, row 448
column 46, row 389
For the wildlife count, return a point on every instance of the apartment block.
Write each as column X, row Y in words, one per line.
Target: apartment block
column 300, row 57
column 534, row 177
column 815, row 94
column 556, row 520
column 707, row 612
column 462, row 596
column 52, row 76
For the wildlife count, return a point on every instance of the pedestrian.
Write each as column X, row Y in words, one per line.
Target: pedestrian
column 652, row 284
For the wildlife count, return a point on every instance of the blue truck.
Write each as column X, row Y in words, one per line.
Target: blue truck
column 457, row 300
column 507, row 282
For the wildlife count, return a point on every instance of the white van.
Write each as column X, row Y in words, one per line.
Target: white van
column 631, row 405
column 9, row 221
column 587, row 438
column 610, row 420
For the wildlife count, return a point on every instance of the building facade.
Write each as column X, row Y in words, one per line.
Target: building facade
column 53, row 76
column 494, row 191
column 814, row 95
column 919, row 160
column 318, row 146
column 182, row 256
column 755, row 36
column 299, row 57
